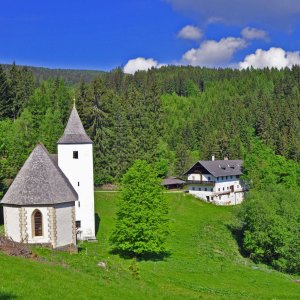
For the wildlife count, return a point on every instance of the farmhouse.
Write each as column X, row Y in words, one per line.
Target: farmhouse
column 217, row 181
column 51, row 200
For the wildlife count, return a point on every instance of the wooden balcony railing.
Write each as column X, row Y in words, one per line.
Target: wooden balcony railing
column 200, row 182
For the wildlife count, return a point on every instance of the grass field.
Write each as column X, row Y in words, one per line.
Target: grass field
column 204, row 264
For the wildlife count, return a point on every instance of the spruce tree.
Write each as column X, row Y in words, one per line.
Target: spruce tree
column 142, row 218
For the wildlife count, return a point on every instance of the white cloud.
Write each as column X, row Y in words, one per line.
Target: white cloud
column 190, row 32
column 249, row 33
column 140, row 64
column 276, row 12
column 272, row 58
column 214, row 53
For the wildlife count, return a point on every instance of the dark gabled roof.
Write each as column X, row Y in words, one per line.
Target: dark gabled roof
column 172, row 180
column 40, row 182
column 74, row 132
column 219, row 168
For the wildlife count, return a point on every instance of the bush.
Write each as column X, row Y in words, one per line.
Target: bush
column 271, row 227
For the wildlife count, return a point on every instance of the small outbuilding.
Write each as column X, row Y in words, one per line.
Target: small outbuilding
column 173, row 183
column 39, row 206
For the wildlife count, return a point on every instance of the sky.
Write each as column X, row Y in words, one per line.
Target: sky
column 140, row 34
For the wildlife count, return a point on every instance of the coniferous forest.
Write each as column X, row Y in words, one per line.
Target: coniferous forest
column 172, row 117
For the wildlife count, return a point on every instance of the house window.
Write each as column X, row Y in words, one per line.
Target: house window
column 226, row 177
column 208, row 178
column 205, row 189
column 78, row 203
column 219, row 189
column 193, row 188
column 78, row 224
column 211, row 190
column 75, row 154
column 78, row 183
column 199, row 189
column 37, row 219
column 231, row 177
column 223, row 188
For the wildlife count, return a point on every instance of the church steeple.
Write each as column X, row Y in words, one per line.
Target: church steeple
column 74, row 132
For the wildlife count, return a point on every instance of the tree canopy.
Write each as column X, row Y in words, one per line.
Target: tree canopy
column 142, row 217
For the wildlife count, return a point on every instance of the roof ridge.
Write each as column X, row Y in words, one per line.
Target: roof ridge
column 40, row 182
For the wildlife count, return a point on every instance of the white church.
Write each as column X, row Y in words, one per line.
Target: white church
column 51, row 200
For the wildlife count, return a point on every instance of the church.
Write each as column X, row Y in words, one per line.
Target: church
column 51, row 200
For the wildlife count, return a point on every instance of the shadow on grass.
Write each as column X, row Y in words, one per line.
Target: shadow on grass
column 237, row 234
column 97, row 223
column 7, row 296
column 141, row 257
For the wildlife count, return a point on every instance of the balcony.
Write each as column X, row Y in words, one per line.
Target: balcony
column 200, row 182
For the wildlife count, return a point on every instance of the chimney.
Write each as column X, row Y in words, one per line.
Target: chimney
column 225, row 157
column 213, row 158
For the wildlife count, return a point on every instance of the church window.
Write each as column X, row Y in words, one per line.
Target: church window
column 75, row 154
column 78, row 203
column 78, row 183
column 37, row 223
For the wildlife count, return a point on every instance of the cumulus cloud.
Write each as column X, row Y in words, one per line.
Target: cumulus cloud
column 190, row 32
column 214, row 53
column 272, row 58
column 254, row 34
column 276, row 12
column 140, row 64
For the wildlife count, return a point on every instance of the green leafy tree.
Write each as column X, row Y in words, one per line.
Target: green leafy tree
column 142, row 218
column 271, row 228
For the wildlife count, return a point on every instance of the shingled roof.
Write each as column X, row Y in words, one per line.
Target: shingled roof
column 219, row 168
column 40, row 182
column 74, row 131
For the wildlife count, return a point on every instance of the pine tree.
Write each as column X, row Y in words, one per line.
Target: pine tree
column 142, row 218
column 5, row 100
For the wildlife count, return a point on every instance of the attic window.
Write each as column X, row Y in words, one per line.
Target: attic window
column 75, row 154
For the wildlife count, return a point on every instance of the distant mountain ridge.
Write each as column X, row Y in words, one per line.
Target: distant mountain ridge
column 71, row 76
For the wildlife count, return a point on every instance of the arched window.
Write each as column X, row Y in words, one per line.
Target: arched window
column 37, row 223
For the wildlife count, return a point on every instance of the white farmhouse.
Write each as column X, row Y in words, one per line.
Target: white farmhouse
column 51, row 200
column 217, row 181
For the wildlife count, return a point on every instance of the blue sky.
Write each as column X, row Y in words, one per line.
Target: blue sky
column 138, row 34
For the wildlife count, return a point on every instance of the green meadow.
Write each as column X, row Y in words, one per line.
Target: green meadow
column 204, row 263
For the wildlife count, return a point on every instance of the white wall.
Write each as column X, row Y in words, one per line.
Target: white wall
column 46, row 226
column 64, row 224
column 80, row 170
column 221, row 193
column 205, row 177
column 12, row 223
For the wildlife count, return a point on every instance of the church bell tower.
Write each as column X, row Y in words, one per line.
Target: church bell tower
column 75, row 159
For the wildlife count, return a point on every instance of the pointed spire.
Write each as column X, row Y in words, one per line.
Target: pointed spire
column 74, row 131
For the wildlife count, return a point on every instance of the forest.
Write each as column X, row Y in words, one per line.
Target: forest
column 172, row 117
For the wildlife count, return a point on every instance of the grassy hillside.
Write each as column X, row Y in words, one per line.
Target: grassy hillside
column 204, row 264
